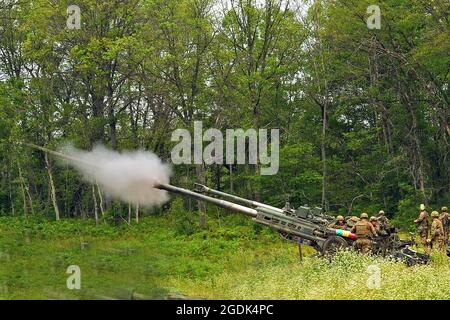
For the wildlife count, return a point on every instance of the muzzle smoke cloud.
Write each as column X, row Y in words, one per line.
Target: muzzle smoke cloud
column 128, row 176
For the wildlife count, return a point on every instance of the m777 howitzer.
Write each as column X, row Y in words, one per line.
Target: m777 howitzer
column 308, row 226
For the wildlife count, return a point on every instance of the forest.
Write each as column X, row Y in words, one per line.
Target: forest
column 358, row 89
column 363, row 112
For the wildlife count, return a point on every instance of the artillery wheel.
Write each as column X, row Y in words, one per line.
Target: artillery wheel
column 333, row 244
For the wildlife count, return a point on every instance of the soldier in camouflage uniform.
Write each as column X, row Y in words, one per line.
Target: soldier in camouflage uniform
column 382, row 242
column 364, row 231
column 445, row 219
column 374, row 221
column 383, row 222
column 351, row 221
column 437, row 232
column 423, row 223
column 339, row 223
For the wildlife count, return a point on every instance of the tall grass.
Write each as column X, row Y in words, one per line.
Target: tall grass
column 346, row 276
column 232, row 258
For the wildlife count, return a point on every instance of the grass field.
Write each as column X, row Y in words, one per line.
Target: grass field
column 233, row 258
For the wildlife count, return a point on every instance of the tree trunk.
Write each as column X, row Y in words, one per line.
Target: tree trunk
column 200, row 170
column 13, row 211
column 102, row 210
column 95, row 205
column 137, row 212
column 217, row 176
column 231, row 179
column 22, row 188
column 113, row 130
column 52, row 186
column 417, row 156
column 324, row 157
column 97, row 133
column 30, row 200
column 323, row 101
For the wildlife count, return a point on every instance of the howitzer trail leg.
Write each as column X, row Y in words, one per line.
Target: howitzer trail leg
column 300, row 254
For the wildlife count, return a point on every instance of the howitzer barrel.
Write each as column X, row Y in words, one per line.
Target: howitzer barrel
column 60, row 155
column 220, row 203
column 231, row 197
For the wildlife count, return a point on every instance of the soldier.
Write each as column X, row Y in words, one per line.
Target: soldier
column 383, row 222
column 339, row 223
column 445, row 219
column 437, row 232
column 364, row 231
column 382, row 243
column 423, row 223
column 351, row 221
column 375, row 222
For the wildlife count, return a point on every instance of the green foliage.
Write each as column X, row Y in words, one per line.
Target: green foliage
column 36, row 252
column 407, row 211
column 363, row 117
column 185, row 221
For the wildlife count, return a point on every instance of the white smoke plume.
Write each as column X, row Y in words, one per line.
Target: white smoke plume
column 128, row 176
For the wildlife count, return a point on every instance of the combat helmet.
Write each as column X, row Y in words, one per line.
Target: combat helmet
column 373, row 218
column 340, row 218
column 364, row 216
column 435, row 214
column 444, row 209
column 422, row 207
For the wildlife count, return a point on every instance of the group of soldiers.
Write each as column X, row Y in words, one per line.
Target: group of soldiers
column 439, row 230
column 366, row 229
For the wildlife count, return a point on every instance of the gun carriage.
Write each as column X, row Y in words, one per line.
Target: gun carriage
column 304, row 225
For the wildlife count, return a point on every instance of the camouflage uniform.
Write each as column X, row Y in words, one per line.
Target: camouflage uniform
column 376, row 224
column 423, row 227
column 445, row 219
column 351, row 221
column 383, row 222
column 437, row 232
column 339, row 223
column 364, row 231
